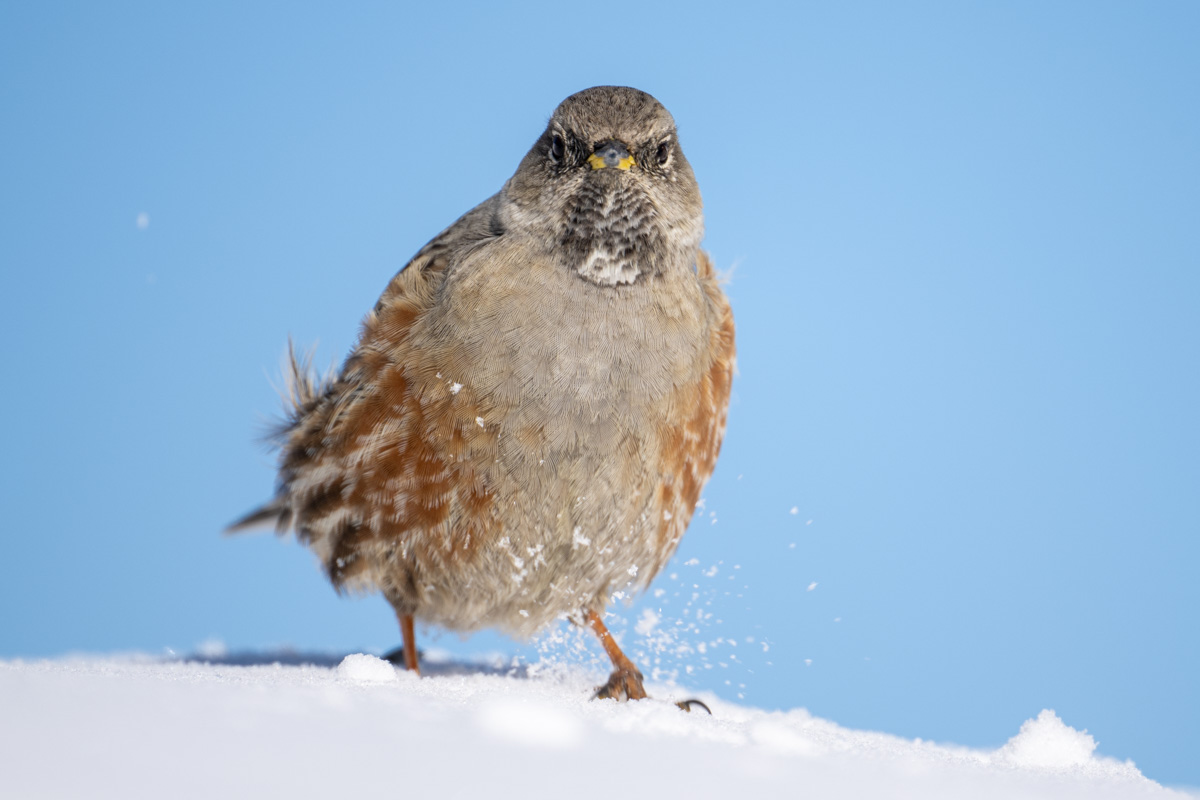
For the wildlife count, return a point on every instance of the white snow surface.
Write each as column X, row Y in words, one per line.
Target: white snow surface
column 137, row 727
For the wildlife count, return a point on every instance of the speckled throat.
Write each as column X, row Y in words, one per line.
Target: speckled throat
column 612, row 237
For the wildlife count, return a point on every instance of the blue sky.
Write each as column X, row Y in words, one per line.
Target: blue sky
column 964, row 248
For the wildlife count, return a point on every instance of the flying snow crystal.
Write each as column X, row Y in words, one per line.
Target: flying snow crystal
column 811, row 586
column 795, row 510
column 646, row 625
column 143, row 221
column 808, row 662
column 632, row 571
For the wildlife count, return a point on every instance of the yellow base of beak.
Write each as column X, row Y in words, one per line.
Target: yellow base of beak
column 598, row 163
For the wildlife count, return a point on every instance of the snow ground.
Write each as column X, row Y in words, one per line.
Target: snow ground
column 138, row 727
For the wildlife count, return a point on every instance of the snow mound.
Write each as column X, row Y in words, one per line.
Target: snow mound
column 1048, row 743
column 101, row 728
column 363, row 668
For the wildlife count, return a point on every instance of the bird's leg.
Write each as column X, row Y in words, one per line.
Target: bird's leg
column 625, row 683
column 410, row 643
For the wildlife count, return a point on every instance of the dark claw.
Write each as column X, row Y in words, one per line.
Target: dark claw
column 686, row 705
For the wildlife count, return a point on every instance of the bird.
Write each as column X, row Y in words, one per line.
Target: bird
column 536, row 401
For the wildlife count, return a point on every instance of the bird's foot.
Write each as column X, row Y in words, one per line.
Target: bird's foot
column 623, row 684
column 626, row 684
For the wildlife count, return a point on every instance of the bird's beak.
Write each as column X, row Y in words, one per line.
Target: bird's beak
column 611, row 155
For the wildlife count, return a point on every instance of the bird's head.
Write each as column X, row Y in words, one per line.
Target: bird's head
column 608, row 185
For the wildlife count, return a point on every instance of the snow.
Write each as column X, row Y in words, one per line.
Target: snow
column 647, row 623
column 579, row 540
column 533, row 723
column 137, row 727
column 1048, row 743
column 363, row 668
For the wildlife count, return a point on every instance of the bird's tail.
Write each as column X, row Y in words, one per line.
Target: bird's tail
column 303, row 386
column 275, row 513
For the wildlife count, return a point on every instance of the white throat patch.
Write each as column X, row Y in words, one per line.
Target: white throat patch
column 604, row 267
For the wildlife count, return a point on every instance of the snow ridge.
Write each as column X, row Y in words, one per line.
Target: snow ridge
column 121, row 728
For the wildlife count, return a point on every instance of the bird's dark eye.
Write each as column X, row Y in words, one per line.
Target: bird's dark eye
column 664, row 152
column 557, row 148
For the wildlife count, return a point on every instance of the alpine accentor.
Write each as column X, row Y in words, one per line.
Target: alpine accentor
column 537, row 399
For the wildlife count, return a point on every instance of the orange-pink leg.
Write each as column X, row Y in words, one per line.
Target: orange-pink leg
column 625, row 683
column 410, row 643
